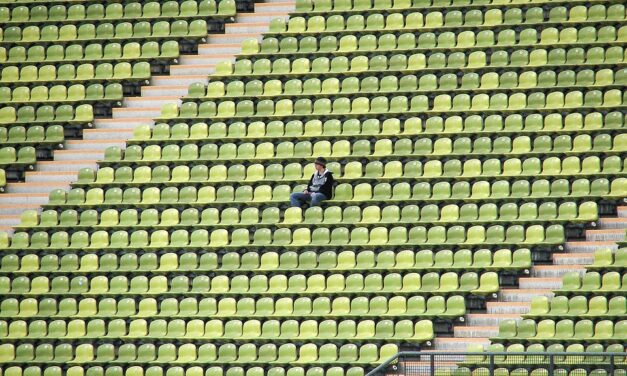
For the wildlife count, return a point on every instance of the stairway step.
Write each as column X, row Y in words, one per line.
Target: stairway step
column 50, row 176
column 205, row 59
column 17, row 209
column 232, row 38
column 162, row 90
column 109, row 137
column 31, row 199
column 198, row 69
column 605, row 235
column 150, row 103
column 8, row 220
column 181, row 79
column 489, row 319
column 523, row 295
column 554, row 271
column 66, row 165
column 260, row 17
column 132, row 113
column 123, row 123
column 77, row 155
column 458, row 344
column 246, row 28
column 217, row 48
column 612, row 223
column 517, row 308
column 588, row 246
column 39, row 187
column 275, row 6
column 540, row 283
column 475, row 331
column 96, row 140
column 573, row 258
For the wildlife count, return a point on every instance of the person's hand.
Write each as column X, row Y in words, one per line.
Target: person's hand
column 306, row 192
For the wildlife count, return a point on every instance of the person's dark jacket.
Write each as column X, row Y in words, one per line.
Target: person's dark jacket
column 322, row 183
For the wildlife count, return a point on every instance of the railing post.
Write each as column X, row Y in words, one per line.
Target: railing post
column 491, row 364
column 611, row 365
column 432, row 363
column 551, row 365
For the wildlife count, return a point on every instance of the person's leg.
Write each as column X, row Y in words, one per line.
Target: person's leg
column 298, row 199
column 317, row 198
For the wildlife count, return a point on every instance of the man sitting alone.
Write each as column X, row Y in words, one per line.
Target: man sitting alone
column 320, row 186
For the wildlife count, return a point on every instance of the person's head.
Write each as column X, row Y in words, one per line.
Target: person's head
column 320, row 164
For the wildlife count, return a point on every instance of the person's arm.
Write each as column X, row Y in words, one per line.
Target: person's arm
column 309, row 184
column 327, row 187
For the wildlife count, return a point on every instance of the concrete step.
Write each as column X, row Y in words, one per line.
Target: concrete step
column 458, row 344
column 8, row 220
column 231, row 38
column 31, row 199
column 123, row 123
column 475, row 331
column 260, row 17
column 275, row 6
column 152, row 102
column 215, row 48
column 40, row 187
column 208, row 59
column 605, row 235
column 17, row 209
column 182, row 80
column 186, row 70
column 42, row 176
column 159, row 91
column 98, row 141
column 107, row 137
column 507, row 308
column 246, row 28
column 489, row 319
column 622, row 211
column 77, row 155
column 539, row 283
column 66, row 165
column 612, row 223
column 573, row 258
column 554, row 271
column 133, row 113
column 588, row 247
column 523, row 295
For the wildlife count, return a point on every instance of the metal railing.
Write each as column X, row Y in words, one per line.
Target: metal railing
column 429, row 363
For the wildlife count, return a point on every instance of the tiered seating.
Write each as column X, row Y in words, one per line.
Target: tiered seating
column 62, row 63
column 467, row 138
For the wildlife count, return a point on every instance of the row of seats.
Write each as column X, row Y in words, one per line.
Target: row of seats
column 408, row 42
column 298, row 237
column 399, row 20
column 303, row 307
column 416, row 104
column 444, row 127
column 436, row 61
column 593, row 282
column 12, row 158
column 361, row 6
column 410, row 83
column 219, row 330
column 449, row 283
column 605, row 260
column 3, row 179
column 431, row 171
column 76, row 53
column 613, row 188
column 180, row 371
column 566, row 353
column 62, row 93
column 565, row 330
column 208, row 353
column 102, row 72
column 46, row 114
column 425, row 260
column 577, row 306
column 111, row 219
column 36, row 134
column 88, row 32
column 342, row 150
column 533, row 369
column 114, row 11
